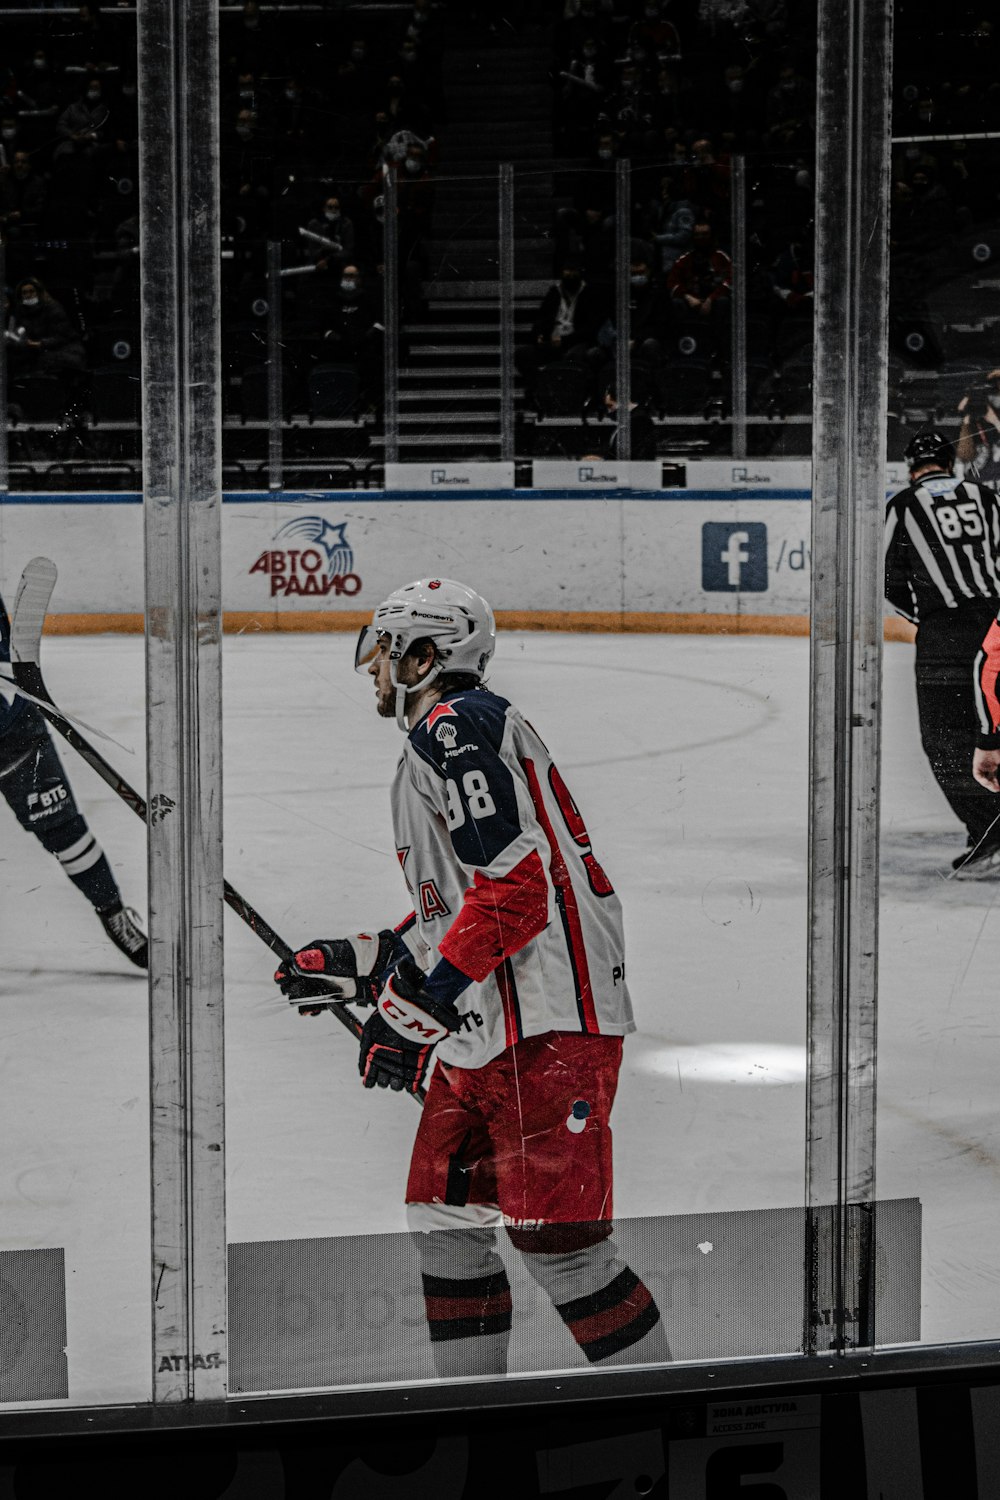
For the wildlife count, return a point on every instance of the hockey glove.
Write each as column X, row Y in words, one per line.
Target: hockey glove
column 337, row 969
column 398, row 1040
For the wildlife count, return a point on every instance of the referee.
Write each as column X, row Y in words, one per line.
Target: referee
column 942, row 571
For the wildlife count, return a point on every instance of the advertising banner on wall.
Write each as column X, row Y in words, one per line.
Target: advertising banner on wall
column 724, row 546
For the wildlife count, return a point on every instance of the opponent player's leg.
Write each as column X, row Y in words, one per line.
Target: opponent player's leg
column 452, row 1215
column 551, row 1139
column 35, row 786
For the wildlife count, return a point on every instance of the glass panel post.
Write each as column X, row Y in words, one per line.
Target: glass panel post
column 505, row 268
column 738, row 302
column 852, row 213
column 179, row 157
column 623, row 320
column 275, row 371
column 4, row 416
column 390, row 302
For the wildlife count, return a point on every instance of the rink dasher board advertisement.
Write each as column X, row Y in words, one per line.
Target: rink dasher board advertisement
column 671, row 559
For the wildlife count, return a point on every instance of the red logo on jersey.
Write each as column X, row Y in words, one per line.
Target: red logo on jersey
column 434, row 584
column 439, row 711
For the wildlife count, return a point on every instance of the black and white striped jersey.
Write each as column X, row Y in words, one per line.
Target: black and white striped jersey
column 942, row 546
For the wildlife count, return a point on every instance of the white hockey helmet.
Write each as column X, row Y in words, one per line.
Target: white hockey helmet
column 454, row 617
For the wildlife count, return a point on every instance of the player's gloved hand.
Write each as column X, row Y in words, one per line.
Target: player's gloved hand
column 399, row 1039
column 337, row 969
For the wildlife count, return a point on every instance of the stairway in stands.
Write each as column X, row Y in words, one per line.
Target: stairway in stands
column 499, row 104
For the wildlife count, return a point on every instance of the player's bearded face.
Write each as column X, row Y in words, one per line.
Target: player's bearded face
column 380, row 671
column 407, row 672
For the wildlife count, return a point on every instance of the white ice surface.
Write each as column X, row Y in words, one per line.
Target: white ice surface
column 688, row 757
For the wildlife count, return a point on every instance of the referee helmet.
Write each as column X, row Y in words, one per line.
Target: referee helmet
column 931, row 447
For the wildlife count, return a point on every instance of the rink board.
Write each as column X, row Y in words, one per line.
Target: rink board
column 33, row 1364
column 726, row 548
column 308, row 1313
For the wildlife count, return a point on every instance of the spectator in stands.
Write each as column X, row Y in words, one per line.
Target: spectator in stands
column 415, row 198
column 247, row 169
column 23, row 194
column 668, row 105
column 84, row 127
column 585, row 18
column 708, row 180
column 649, row 311
column 46, row 341
column 586, row 237
column 118, row 288
column 922, row 226
column 405, row 107
column 566, row 326
column 333, row 244
column 295, row 117
column 355, row 83
column 791, row 100
column 426, row 25
column 642, row 433
column 127, row 109
column 700, row 283
column 595, row 188
column 656, row 32
column 249, row 44
column 978, row 447
column 631, row 104
column 791, row 276
column 93, row 47
column 400, row 142
column 354, row 332
column 585, row 83
column 648, row 307
column 10, row 140
column 670, row 220
column 248, row 95
column 737, row 106
column 38, row 90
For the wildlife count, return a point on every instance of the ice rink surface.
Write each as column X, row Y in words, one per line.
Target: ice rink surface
column 688, row 758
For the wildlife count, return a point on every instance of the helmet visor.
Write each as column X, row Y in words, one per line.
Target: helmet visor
column 367, row 647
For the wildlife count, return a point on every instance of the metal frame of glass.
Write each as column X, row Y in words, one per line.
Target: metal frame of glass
column 182, row 468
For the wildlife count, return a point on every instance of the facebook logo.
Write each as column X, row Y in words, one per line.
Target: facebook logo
column 734, row 557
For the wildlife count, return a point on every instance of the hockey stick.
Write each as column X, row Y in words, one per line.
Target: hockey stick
column 30, row 607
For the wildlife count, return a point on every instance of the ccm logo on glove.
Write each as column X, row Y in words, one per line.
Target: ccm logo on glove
column 412, row 1012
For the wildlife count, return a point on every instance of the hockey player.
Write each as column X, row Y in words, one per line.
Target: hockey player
column 942, row 571
column 34, row 785
column 511, row 970
column 986, row 760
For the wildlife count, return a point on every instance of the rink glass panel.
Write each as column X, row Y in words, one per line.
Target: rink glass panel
column 692, row 783
column 74, row 1251
column 686, row 752
column 938, row 947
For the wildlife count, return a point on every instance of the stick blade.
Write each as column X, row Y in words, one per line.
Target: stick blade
column 30, row 607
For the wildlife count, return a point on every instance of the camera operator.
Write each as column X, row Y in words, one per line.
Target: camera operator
column 978, row 446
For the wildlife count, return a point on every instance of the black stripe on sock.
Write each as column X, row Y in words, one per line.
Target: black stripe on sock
column 632, row 1332
column 468, row 1328
column 472, row 1286
column 623, row 1285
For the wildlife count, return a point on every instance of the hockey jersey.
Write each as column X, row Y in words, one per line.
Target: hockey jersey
column 986, row 679
column 504, row 881
column 942, row 546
